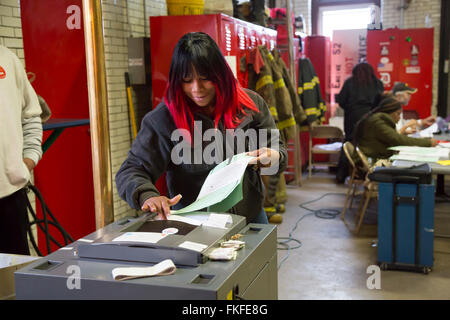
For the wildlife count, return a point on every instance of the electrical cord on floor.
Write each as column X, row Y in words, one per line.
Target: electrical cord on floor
column 320, row 213
column 46, row 214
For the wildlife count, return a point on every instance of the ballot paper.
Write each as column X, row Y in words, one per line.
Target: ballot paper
column 164, row 268
column 414, row 157
column 422, row 154
column 426, row 151
column 146, row 237
column 427, row 132
column 222, row 188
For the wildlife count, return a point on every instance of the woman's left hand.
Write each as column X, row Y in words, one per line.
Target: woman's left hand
column 265, row 157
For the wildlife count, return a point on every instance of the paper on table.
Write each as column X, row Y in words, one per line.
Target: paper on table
column 164, row 268
column 330, row 146
column 412, row 157
column 419, row 151
column 220, row 183
column 147, row 237
column 428, row 132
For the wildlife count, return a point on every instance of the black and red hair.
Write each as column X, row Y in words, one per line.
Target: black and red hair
column 199, row 51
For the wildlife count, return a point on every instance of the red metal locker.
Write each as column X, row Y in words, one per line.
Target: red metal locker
column 53, row 39
column 318, row 50
column 234, row 37
column 404, row 55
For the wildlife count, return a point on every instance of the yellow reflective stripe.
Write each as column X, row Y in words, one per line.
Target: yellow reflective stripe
column 270, row 56
column 279, row 83
column 308, row 85
column 286, row 123
column 273, row 111
column 263, row 81
column 311, row 111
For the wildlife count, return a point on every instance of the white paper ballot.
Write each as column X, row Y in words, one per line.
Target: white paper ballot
column 222, row 177
column 413, row 157
column 147, row 237
column 427, row 132
column 164, row 268
column 220, row 183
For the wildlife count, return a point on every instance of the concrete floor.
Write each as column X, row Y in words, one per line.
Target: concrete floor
column 332, row 262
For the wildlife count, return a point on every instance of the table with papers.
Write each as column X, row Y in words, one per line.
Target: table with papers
column 437, row 157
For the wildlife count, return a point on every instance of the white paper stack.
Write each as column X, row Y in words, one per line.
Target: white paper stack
column 223, row 254
column 164, row 268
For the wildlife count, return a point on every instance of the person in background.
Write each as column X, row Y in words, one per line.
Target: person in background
column 402, row 92
column 20, row 150
column 201, row 88
column 376, row 131
column 359, row 94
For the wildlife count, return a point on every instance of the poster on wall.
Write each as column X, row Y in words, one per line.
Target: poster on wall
column 348, row 49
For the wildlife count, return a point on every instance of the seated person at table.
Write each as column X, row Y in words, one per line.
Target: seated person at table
column 376, row 132
column 402, row 92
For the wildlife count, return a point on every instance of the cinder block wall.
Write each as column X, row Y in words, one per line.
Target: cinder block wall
column 11, row 27
column 123, row 19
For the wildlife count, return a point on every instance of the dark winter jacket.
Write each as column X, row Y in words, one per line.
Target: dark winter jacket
column 357, row 100
column 309, row 92
column 377, row 133
column 150, row 157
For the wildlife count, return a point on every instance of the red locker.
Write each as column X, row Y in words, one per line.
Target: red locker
column 54, row 49
column 233, row 36
column 318, row 50
column 404, row 55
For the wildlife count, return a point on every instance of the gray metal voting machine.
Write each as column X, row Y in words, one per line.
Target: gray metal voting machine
column 83, row 269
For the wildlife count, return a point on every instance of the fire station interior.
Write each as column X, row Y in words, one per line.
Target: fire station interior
column 379, row 232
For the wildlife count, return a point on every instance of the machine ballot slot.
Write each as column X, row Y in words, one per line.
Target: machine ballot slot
column 48, row 265
column 203, row 278
column 160, row 225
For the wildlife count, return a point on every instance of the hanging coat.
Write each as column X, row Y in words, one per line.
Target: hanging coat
column 309, row 92
column 297, row 108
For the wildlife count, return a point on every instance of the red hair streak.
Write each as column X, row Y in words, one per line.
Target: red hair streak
column 182, row 113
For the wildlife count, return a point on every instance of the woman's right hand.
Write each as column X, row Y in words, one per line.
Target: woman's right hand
column 160, row 205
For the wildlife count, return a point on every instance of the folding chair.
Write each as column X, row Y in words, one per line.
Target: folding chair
column 332, row 134
column 370, row 189
column 356, row 177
